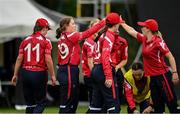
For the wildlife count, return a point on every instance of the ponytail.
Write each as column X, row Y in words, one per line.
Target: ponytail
column 62, row 26
column 108, row 25
column 58, row 33
column 157, row 33
column 101, row 32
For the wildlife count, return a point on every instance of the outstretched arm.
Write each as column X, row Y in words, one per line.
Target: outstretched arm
column 92, row 30
column 130, row 30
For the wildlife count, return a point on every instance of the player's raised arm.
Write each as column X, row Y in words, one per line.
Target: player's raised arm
column 129, row 29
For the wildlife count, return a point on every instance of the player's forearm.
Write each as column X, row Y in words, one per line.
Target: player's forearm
column 130, row 30
column 90, row 63
column 50, row 65
column 172, row 62
column 18, row 64
column 92, row 30
column 121, row 64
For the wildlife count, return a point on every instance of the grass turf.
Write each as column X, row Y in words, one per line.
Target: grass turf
column 81, row 109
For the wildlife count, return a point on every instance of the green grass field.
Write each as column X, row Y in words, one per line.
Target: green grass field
column 81, row 109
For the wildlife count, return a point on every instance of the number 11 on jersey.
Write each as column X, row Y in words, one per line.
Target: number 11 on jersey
column 36, row 48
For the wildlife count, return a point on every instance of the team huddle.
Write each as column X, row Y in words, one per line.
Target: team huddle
column 104, row 52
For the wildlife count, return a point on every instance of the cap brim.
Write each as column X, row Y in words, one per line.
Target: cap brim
column 141, row 24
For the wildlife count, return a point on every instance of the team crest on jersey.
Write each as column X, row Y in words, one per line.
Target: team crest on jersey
column 64, row 50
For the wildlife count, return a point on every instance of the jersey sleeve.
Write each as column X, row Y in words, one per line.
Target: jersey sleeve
column 129, row 95
column 78, row 36
column 48, row 47
column 125, row 52
column 163, row 47
column 91, row 30
column 74, row 37
column 106, row 57
column 21, row 47
column 140, row 37
column 90, row 48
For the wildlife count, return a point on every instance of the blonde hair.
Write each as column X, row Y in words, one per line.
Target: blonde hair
column 157, row 33
column 92, row 22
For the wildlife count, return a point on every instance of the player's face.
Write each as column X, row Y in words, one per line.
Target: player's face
column 116, row 27
column 44, row 31
column 144, row 30
column 72, row 26
column 137, row 74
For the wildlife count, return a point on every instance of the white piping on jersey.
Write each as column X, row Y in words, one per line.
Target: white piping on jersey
column 39, row 38
column 62, row 106
column 62, row 37
column 110, row 60
column 159, row 56
column 92, row 108
column 110, row 43
column 90, row 45
column 87, row 43
column 162, row 44
column 28, row 37
column 128, row 86
column 48, row 39
column 71, row 34
column 112, row 108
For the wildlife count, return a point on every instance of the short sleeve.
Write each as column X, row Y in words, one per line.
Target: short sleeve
column 163, row 47
column 48, row 47
column 21, row 47
column 125, row 53
column 140, row 37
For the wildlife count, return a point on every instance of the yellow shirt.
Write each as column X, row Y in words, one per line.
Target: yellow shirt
column 138, row 97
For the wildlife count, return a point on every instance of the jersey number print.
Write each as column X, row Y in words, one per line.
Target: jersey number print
column 36, row 48
column 97, row 50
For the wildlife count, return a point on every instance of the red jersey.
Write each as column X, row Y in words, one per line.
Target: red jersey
column 69, row 49
column 97, row 50
column 153, row 53
column 103, row 52
column 34, row 49
column 87, row 52
column 119, row 51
